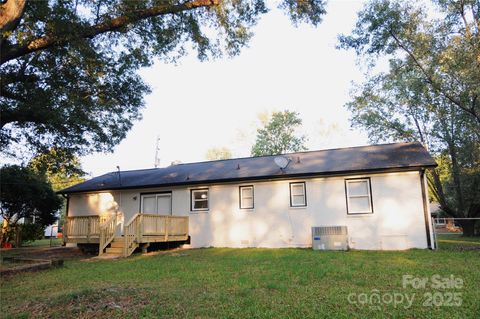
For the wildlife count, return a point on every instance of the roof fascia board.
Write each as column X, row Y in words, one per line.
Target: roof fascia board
column 260, row 179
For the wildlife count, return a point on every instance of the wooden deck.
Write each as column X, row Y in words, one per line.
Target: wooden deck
column 140, row 229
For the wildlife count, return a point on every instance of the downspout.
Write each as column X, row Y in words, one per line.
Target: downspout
column 426, row 210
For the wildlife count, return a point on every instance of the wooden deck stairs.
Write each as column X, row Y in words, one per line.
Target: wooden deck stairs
column 117, row 248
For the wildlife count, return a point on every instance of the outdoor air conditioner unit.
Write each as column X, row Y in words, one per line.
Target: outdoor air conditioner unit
column 330, row 238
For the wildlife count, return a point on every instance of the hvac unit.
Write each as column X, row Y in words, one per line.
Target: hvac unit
column 330, row 238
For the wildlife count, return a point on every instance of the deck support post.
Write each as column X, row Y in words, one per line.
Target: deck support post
column 145, row 248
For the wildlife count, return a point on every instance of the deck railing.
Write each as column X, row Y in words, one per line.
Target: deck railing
column 164, row 225
column 131, row 233
column 82, row 227
column 141, row 228
column 107, row 232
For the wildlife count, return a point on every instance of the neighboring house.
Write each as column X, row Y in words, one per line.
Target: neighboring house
column 379, row 192
column 442, row 223
column 51, row 231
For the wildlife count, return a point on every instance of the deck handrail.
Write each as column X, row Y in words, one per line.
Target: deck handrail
column 164, row 225
column 82, row 226
column 141, row 227
column 107, row 232
column 131, row 235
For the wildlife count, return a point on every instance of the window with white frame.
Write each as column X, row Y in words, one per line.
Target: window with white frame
column 199, row 199
column 359, row 196
column 298, row 196
column 246, row 197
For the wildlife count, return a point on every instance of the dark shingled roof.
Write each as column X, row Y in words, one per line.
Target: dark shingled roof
column 342, row 161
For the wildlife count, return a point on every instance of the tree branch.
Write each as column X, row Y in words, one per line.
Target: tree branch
column 12, row 52
column 430, row 80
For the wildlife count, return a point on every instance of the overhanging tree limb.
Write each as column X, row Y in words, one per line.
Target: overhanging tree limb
column 431, row 81
column 12, row 52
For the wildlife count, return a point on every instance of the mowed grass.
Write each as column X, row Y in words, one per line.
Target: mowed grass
column 44, row 242
column 246, row 283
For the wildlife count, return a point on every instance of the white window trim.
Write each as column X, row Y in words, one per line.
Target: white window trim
column 142, row 196
column 192, row 200
column 241, row 188
column 304, row 188
column 368, row 195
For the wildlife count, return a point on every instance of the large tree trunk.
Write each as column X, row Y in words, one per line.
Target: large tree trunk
column 468, row 226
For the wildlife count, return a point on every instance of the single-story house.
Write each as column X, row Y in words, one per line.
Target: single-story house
column 378, row 192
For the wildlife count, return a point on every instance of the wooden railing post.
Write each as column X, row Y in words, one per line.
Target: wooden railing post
column 64, row 231
column 125, row 241
column 139, row 225
column 89, row 221
column 167, row 227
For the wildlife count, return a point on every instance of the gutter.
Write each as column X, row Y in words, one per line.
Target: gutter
column 426, row 210
column 253, row 178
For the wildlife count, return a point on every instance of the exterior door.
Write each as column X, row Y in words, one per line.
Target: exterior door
column 160, row 204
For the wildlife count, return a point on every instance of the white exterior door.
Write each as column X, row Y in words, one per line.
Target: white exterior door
column 160, row 204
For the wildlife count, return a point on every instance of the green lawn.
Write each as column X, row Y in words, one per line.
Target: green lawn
column 245, row 283
column 44, row 242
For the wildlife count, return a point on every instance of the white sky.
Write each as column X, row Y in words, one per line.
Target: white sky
column 196, row 105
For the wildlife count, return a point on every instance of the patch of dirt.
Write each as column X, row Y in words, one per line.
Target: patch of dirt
column 64, row 253
column 111, row 302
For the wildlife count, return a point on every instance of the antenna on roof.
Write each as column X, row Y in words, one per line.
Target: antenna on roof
column 157, row 149
column 281, row 162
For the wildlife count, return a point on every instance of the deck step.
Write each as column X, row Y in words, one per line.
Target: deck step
column 117, row 244
column 114, row 250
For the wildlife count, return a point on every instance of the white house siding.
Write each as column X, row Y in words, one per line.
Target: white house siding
column 397, row 221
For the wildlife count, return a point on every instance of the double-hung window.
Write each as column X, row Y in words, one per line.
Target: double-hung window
column 298, row 197
column 359, row 196
column 199, row 199
column 246, row 197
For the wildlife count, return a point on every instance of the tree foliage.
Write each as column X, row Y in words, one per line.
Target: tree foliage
column 27, row 195
column 69, row 69
column 444, row 50
column 61, row 168
column 218, row 153
column 279, row 136
column 430, row 92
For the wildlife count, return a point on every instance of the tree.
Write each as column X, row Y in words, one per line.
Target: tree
column 218, row 153
column 69, row 68
column 422, row 96
column 61, row 168
column 278, row 136
column 444, row 51
column 27, row 195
